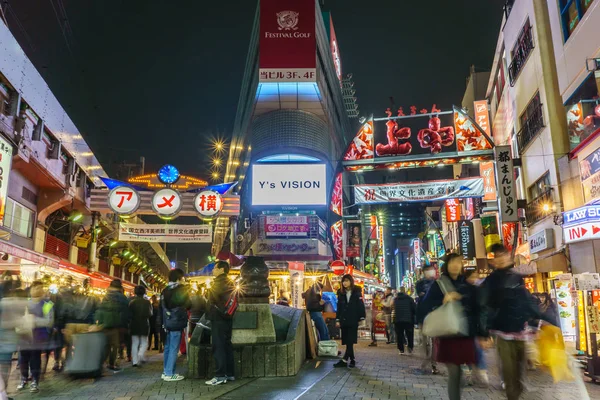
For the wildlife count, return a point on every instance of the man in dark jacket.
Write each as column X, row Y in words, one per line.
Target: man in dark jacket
column 76, row 313
column 174, row 303
column 221, row 324
column 315, row 306
column 113, row 316
column 140, row 311
column 405, row 312
column 422, row 287
column 510, row 306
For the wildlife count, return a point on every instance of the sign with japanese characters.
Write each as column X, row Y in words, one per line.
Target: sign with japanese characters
column 286, row 226
column 467, row 240
column 486, row 170
column 417, row 252
column 123, row 200
column 162, row 233
column 6, row 152
column 418, row 192
column 208, row 203
column 453, row 210
column 166, row 202
column 482, row 115
column 507, row 191
column 542, row 240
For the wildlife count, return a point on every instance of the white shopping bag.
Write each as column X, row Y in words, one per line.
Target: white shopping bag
column 327, row 348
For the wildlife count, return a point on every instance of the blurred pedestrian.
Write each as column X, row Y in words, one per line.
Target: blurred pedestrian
column 480, row 366
column 113, row 316
column 315, row 306
column 405, row 317
column 174, row 303
column 283, row 299
column 371, row 314
column 422, row 287
column 76, row 312
column 154, row 332
column 12, row 309
column 510, row 306
column 140, row 311
column 388, row 304
column 459, row 350
column 40, row 316
column 350, row 313
column 221, row 324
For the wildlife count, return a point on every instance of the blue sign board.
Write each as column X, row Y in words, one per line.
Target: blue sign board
column 581, row 215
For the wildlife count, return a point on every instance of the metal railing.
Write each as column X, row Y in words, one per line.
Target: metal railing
column 540, row 207
column 531, row 127
column 520, row 54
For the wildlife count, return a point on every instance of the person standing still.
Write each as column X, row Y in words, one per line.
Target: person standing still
column 388, row 303
column 315, row 306
column 221, row 324
column 405, row 312
column 154, row 329
column 174, row 303
column 140, row 310
column 350, row 313
column 422, row 288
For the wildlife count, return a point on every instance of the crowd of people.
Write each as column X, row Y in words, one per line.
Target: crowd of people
column 36, row 324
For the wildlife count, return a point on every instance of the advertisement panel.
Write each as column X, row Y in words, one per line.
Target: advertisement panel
column 505, row 175
column 589, row 169
column 467, row 240
column 482, row 115
column 486, row 170
column 337, row 239
column 289, row 184
column 6, row 152
column 285, row 247
column 297, row 283
column 354, row 240
column 422, row 191
column 417, row 252
column 566, row 307
column 287, row 43
column 453, row 210
column 335, row 50
column 337, row 195
column 286, row 226
column 161, row 233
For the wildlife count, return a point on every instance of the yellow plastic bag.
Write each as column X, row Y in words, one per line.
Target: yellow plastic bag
column 552, row 354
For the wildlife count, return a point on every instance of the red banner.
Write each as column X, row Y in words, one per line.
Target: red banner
column 482, row 115
column 336, row 195
column 453, row 210
column 288, row 47
column 486, row 170
column 337, row 240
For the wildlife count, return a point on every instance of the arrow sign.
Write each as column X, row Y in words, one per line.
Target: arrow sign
column 583, row 231
column 595, row 229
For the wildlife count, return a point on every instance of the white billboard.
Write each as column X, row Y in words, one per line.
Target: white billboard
column 289, row 185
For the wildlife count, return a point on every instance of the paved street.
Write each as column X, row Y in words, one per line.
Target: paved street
column 381, row 374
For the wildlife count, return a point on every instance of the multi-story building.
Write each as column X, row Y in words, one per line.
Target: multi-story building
column 46, row 173
column 527, row 113
column 576, row 39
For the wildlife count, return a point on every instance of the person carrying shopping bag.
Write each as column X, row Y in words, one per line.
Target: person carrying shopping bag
column 350, row 312
column 456, row 349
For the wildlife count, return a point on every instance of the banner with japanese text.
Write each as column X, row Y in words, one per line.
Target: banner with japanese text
column 507, row 190
column 162, row 233
column 417, row 192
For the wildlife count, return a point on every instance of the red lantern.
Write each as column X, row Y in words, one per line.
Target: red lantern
column 338, row 267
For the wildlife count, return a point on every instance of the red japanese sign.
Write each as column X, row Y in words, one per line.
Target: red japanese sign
column 336, row 195
column 208, row 203
column 123, row 200
column 166, row 202
column 486, row 170
column 287, row 43
column 337, row 240
column 453, row 210
column 361, row 148
column 482, row 115
column 508, row 235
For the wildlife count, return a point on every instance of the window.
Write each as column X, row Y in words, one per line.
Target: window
column 539, row 187
column 532, row 122
column 4, row 99
column 541, row 203
column 571, row 12
column 500, row 81
column 18, row 218
column 520, row 52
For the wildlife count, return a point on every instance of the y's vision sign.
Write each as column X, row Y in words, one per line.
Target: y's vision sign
column 289, row 185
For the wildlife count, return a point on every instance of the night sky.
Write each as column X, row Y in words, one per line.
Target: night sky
column 159, row 79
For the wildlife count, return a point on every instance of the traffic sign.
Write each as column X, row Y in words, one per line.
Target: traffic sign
column 338, row 267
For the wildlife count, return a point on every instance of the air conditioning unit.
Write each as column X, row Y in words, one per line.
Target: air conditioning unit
column 54, row 150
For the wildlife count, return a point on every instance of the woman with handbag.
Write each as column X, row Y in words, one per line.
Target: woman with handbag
column 350, row 312
column 455, row 348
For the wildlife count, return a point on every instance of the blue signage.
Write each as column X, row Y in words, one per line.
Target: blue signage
column 590, row 165
column 581, row 215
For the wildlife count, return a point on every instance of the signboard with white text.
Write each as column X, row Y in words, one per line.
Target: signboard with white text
column 467, row 240
column 286, row 226
column 162, row 233
column 507, row 190
column 289, row 185
column 6, row 152
column 542, row 240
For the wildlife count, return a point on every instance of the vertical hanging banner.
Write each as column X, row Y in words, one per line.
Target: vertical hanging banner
column 482, row 115
column 453, row 210
column 337, row 239
column 296, row 282
column 486, row 170
column 6, row 152
column 507, row 190
column 287, row 43
column 337, row 195
column 467, row 240
column 509, row 230
column 417, row 252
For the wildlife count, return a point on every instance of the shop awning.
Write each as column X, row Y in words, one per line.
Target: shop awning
column 27, row 254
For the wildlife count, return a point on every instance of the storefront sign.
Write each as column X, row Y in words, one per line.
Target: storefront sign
column 123, row 200
column 581, row 232
column 289, row 185
column 297, row 283
column 286, row 226
column 486, row 170
column 286, row 247
column 6, row 152
column 587, row 281
column 593, row 315
column 509, row 231
column 208, row 203
column 482, row 115
column 166, row 202
column 453, row 210
column 287, row 42
column 161, row 233
column 565, row 304
column 354, row 240
column 542, row 240
column 418, row 192
column 581, row 324
column 417, row 252
column 467, row 240
column 581, row 215
column 507, row 200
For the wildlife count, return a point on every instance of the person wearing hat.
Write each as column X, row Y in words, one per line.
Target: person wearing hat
column 113, row 316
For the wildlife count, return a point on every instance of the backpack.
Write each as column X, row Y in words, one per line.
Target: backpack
column 175, row 319
column 231, row 305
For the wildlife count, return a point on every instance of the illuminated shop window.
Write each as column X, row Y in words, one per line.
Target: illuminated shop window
column 288, row 158
column 571, row 12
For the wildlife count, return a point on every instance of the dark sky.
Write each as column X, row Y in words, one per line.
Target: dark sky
column 159, row 78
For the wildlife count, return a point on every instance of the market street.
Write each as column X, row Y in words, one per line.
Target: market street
column 381, row 374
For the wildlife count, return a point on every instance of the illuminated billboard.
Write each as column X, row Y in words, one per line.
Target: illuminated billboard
column 289, row 185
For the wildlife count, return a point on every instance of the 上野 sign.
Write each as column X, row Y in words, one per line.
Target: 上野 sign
column 166, row 202
column 161, row 233
column 123, row 200
column 507, row 190
column 208, row 203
